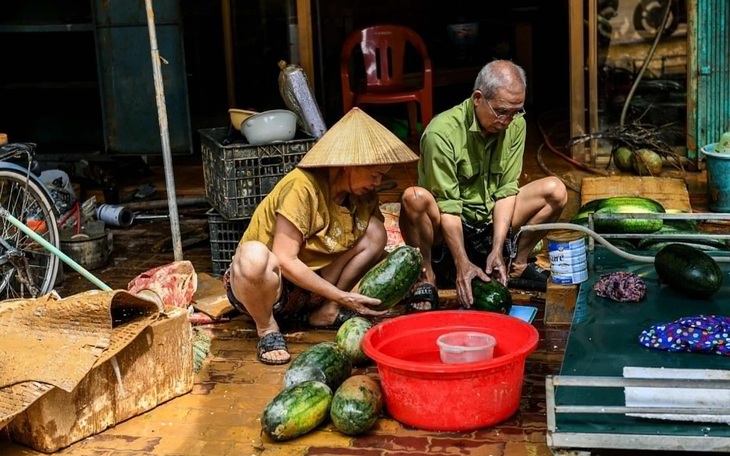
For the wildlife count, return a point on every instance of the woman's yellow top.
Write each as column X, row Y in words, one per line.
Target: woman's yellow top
column 303, row 197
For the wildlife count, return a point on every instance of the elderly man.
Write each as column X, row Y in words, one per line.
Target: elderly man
column 468, row 202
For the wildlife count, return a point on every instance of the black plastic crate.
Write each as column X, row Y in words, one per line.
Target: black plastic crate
column 224, row 238
column 239, row 175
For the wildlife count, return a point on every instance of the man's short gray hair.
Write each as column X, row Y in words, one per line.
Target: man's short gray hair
column 499, row 74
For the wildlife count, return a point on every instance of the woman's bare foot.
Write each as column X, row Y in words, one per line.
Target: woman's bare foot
column 325, row 315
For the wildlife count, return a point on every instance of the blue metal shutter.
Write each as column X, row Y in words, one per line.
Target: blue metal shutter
column 131, row 123
column 709, row 78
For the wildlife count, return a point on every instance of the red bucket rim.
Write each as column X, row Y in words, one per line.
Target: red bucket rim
column 389, row 361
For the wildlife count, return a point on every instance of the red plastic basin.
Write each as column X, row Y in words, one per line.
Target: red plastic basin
column 423, row 392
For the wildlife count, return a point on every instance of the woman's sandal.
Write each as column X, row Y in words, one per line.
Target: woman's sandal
column 271, row 342
column 424, row 292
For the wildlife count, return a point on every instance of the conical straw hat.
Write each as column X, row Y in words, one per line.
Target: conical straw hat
column 357, row 140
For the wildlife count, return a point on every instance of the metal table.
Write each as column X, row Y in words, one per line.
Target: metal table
column 585, row 403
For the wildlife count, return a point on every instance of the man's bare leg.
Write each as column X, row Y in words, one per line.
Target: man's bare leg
column 540, row 201
column 419, row 225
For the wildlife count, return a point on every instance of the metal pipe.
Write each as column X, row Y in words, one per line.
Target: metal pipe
column 54, row 250
column 151, row 217
column 647, row 382
column 159, row 204
column 602, row 241
column 164, row 134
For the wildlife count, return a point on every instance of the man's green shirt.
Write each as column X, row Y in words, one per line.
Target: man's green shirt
column 465, row 170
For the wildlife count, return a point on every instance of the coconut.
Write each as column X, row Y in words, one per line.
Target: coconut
column 646, row 162
column 622, row 157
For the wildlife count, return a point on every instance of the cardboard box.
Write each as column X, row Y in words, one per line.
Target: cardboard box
column 154, row 367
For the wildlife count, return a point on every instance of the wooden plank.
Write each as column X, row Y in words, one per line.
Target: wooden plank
column 671, row 192
column 210, row 297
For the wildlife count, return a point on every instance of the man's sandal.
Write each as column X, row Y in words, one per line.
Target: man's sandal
column 424, row 292
column 271, row 342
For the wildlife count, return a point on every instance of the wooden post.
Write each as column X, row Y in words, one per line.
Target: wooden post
column 560, row 303
column 304, row 36
column 577, row 74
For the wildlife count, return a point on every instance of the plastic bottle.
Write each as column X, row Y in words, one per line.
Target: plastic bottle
column 294, row 89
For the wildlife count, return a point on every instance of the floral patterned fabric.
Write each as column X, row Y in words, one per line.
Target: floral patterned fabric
column 621, row 286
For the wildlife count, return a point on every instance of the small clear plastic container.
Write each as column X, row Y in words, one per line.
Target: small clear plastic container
column 465, row 347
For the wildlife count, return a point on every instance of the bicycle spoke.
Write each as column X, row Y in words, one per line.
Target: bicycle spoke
column 26, row 266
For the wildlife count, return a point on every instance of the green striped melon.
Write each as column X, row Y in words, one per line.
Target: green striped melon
column 350, row 336
column 356, row 405
column 392, row 278
column 296, row 410
column 325, row 361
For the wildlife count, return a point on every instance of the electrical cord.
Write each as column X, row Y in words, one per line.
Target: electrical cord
column 547, row 171
column 552, row 148
column 658, row 37
column 546, row 135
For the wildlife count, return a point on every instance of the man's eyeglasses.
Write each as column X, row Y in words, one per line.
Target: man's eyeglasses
column 505, row 115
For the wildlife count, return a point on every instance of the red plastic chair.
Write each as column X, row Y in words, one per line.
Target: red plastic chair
column 384, row 50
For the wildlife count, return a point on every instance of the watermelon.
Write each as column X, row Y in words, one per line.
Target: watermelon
column 326, row 362
column 491, row 296
column 688, row 270
column 350, row 336
column 356, row 405
column 296, row 410
column 392, row 279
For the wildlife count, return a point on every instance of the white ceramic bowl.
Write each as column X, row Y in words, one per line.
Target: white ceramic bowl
column 270, row 126
column 465, row 347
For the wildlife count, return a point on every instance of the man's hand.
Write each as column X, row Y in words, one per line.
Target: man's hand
column 495, row 265
column 463, row 283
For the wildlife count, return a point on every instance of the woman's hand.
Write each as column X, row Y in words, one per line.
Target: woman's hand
column 361, row 304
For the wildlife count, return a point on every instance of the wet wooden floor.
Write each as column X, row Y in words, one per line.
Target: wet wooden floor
column 221, row 416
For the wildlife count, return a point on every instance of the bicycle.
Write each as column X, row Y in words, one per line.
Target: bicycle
column 26, row 267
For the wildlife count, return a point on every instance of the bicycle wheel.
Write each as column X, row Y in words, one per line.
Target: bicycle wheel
column 27, row 269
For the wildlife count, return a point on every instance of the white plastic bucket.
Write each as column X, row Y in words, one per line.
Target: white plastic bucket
column 568, row 257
